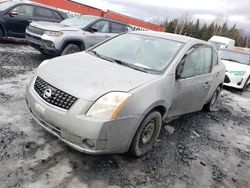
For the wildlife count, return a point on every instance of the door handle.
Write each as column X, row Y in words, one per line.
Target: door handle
column 206, row 85
column 218, row 74
column 106, row 36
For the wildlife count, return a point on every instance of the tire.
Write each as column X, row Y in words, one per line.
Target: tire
column 210, row 106
column 70, row 49
column 245, row 85
column 146, row 134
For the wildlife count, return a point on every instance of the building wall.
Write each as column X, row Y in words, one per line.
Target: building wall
column 84, row 9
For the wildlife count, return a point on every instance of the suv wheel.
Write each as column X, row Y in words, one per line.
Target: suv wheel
column 70, row 49
column 147, row 134
column 210, row 106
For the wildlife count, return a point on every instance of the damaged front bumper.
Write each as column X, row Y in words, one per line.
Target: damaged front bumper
column 85, row 134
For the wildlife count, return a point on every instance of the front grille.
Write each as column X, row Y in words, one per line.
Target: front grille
column 32, row 36
column 35, row 30
column 53, row 95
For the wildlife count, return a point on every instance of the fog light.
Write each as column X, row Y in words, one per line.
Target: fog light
column 88, row 142
column 50, row 44
column 239, row 83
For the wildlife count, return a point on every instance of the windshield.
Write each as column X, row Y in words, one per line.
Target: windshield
column 150, row 53
column 218, row 45
column 79, row 21
column 235, row 56
column 5, row 5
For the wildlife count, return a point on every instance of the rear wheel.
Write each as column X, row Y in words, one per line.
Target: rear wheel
column 246, row 84
column 147, row 134
column 210, row 106
column 70, row 49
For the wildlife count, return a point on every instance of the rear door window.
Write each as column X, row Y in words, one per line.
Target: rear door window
column 118, row 28
column 44, row 13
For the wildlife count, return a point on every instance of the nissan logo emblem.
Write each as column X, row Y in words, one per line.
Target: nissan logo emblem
column 47, row 93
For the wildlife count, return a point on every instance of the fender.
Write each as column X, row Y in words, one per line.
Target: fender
column 72, row 40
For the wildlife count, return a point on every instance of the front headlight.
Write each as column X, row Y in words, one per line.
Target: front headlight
column 237, row 73
column 53, row 33
column 109, row 105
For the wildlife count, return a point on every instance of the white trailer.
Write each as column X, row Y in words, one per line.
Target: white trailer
column 222, row 42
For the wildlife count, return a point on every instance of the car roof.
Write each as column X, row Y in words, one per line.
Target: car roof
column 171, row 36
column 103, row 18
column 15, row 2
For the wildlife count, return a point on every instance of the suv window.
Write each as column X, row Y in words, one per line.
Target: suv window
column 44, row 13
column 101, row 26
column 57, row 16
column 118, row 28
column 198, row 62
column 24, row 10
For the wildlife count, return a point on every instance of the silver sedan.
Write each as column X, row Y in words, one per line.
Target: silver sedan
column 114, row 97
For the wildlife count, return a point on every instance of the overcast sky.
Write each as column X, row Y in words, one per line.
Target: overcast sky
column 232, row 11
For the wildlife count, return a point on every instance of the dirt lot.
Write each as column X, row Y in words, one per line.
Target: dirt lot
column 197, row 150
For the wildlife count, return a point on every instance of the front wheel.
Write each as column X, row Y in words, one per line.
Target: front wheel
column 210, row 106
column 146, row 134
column 70, row 49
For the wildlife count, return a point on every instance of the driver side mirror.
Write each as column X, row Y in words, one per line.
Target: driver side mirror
column 179, row 69
column 92, row 29
column 13, row 13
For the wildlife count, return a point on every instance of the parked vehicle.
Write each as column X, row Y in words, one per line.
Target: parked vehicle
column 237, row 68
column 73, row 34
column 113, row 97
column 15, row 16
column 222, row 42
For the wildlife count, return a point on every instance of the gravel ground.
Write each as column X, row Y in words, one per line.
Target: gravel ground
column 197, row 150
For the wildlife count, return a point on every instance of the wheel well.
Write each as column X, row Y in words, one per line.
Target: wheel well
column 161, row 109
column 78, row 43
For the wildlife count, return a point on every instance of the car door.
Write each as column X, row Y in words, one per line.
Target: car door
column 44, row 14
column 193, row 83
column 17, row 19
column 102, row 33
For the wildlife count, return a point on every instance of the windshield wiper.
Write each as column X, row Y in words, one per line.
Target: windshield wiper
column 96, row 54
column 130, row 65
column 231, row 60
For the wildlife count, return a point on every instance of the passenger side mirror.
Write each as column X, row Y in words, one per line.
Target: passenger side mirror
column 13, row 13
column 179, row 69
column 92, row 29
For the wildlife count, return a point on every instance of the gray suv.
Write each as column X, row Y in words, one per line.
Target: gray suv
column 73, row 34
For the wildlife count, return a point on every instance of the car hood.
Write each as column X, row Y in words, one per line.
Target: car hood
column 233, row 66
column 53, row 26
column 88, row 77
